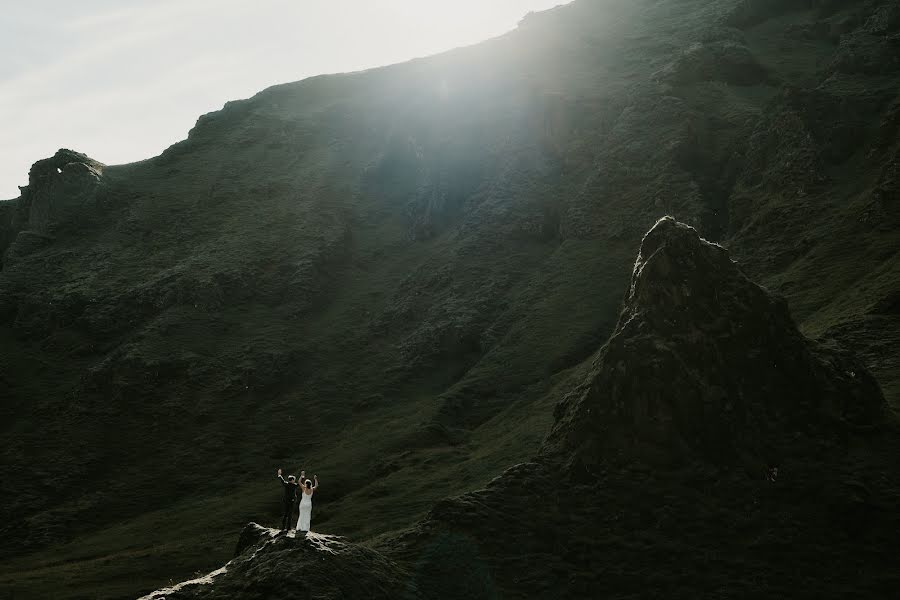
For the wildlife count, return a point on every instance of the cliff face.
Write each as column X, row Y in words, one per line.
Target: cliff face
column 395, row 275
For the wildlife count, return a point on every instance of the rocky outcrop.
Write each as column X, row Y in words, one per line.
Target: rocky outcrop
column 59, row 189
column 273, row 564
column 705, row 364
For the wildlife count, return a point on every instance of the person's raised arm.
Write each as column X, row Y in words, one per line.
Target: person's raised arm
column 316, row 482
column 278, row 475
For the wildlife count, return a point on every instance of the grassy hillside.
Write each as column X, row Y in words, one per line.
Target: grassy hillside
column 390, row 277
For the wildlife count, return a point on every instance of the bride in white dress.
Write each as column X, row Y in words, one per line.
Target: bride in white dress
column 307, row 490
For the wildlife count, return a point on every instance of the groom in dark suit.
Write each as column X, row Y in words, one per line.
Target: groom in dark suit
column 290, row 498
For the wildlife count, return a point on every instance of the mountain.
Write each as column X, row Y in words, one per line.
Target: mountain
column 653, row 480
column 392, row 277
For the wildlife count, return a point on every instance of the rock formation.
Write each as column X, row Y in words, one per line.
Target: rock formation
column 706, row 364
column 59, row 188
column 273, row 564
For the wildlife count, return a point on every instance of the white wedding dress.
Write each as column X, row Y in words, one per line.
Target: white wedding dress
column 305, row 511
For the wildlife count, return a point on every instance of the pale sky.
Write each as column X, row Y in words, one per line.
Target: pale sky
column 121, row 80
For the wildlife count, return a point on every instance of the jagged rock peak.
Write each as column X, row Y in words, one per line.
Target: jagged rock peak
column 705, row 364
column 59, row 189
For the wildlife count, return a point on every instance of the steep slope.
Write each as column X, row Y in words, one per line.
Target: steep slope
column 394, row 275
column 654, row 479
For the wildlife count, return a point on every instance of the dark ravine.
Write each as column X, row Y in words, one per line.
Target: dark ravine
column 394, row 276
column 653, row 480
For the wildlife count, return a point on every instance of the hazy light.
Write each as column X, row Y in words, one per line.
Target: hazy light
column 122, row 81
